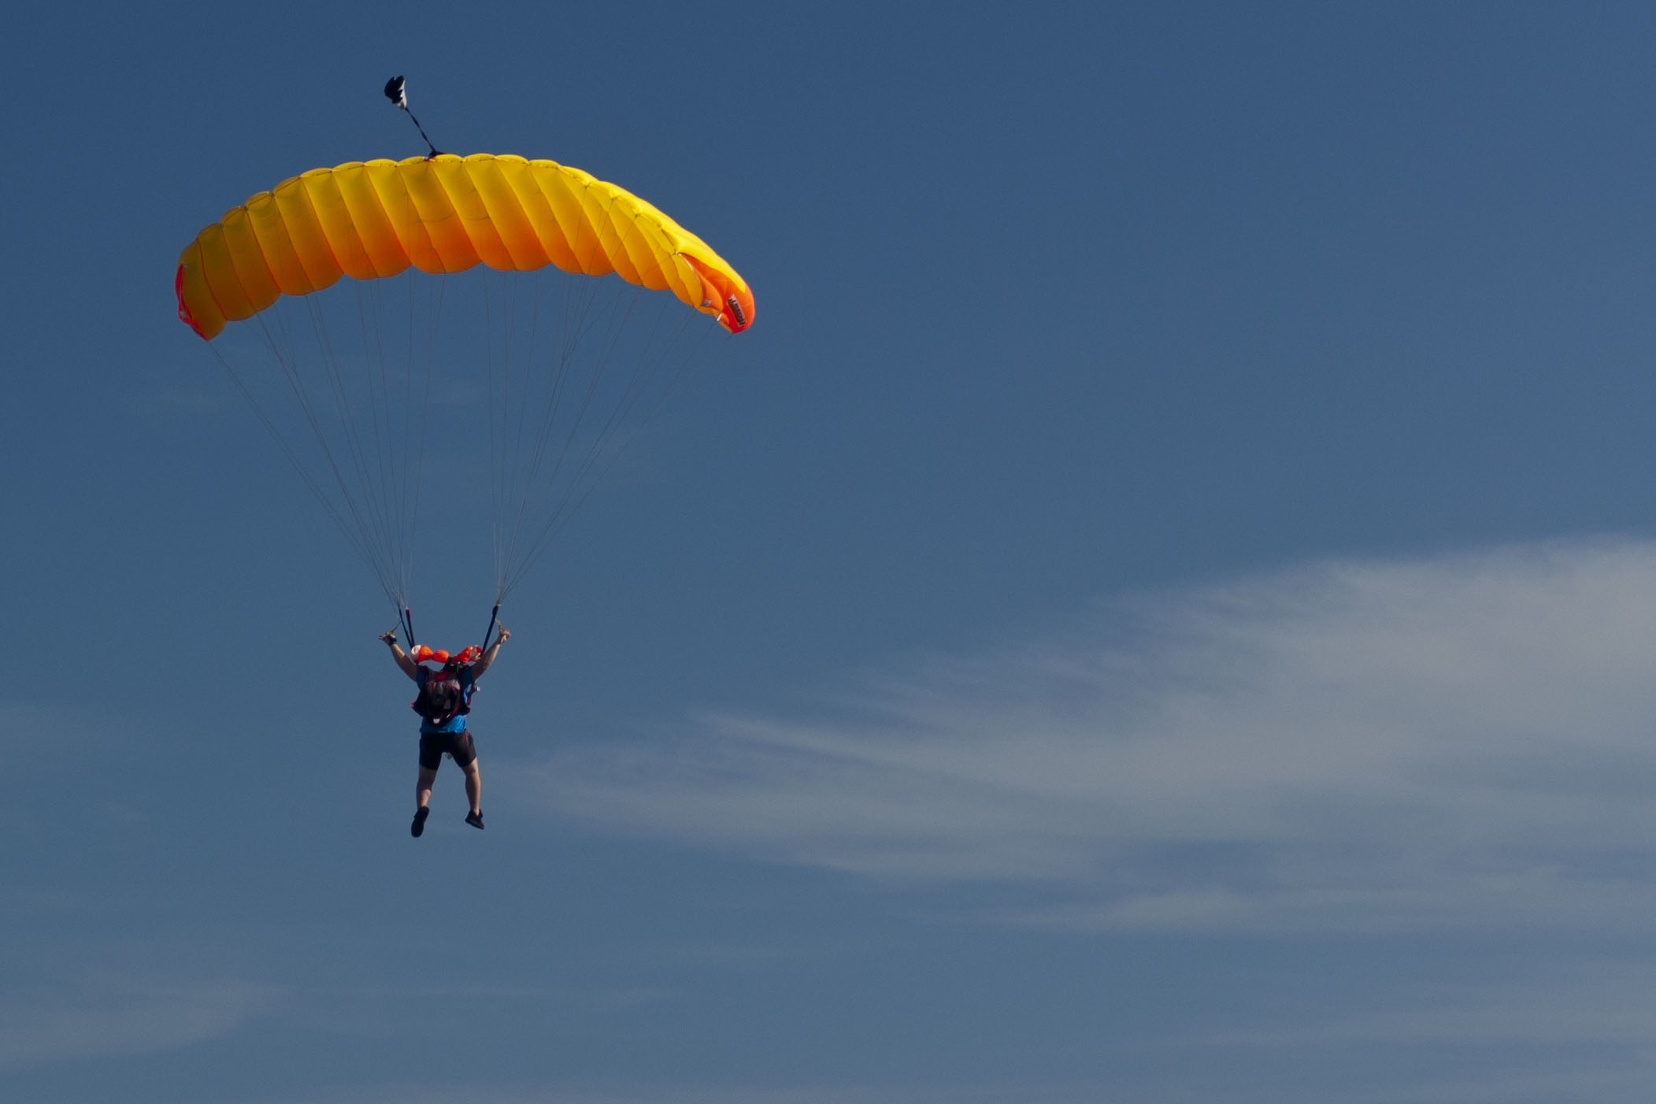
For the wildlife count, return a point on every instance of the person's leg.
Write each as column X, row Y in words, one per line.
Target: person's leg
column 474, row 789
column 464, row 750
column 431, row 757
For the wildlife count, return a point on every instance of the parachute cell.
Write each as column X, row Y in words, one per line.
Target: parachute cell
column 443, row 214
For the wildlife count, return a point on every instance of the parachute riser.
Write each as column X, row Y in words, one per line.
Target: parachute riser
column 405, row 621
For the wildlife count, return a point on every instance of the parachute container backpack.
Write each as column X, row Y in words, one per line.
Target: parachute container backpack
column 487, row 331
column 441, row 696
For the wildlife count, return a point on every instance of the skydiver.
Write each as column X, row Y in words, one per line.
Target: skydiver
column 443, row 702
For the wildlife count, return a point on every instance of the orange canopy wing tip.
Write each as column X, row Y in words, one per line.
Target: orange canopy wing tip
column 721, row 287
column 185, row 315
column 737, row 313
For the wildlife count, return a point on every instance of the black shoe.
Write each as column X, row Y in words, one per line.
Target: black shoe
column 419, row 822
column 475, row 819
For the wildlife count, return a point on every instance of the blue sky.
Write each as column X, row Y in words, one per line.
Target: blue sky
column 1159, row 607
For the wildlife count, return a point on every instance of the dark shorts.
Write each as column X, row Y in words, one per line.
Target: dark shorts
column 457, row 744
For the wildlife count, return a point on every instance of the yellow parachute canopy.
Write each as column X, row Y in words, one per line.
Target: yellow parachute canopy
column 443, row 214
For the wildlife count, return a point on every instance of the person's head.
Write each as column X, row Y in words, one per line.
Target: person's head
column 423, row 654
column 465, row 657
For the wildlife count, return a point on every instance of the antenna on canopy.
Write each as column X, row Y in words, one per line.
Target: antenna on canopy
column 398, row 95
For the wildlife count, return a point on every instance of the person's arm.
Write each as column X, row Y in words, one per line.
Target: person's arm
column 488, row 657
column 404, row 660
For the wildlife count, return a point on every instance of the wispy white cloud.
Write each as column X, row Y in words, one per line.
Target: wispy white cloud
column 679, row 1093
column 1568, row 1029
column 1449, row 741
column 108, row 1015
column 1558, row 1004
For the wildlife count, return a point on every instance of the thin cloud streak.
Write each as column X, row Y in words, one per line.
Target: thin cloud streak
column 678, row 1093
column 1598, row 1003
column 1352, row 745
column 120, row 1016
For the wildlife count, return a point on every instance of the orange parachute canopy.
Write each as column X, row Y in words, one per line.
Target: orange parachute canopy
column 443, row 214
